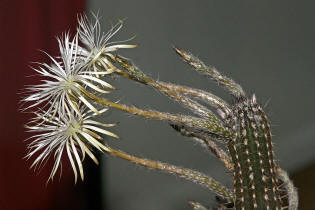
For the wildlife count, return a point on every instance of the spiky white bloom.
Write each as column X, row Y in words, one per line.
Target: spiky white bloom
column 64, row 80
column 96, row 46
column 66, row 132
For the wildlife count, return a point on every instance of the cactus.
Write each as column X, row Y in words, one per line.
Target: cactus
column 239, row 134
column 255, row 182
column 244, row 130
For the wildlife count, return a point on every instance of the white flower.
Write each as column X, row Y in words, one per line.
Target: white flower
column 66, row 132
column 96, row 46
column 64, row 81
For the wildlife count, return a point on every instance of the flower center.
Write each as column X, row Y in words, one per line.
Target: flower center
column 73, row 127
column 69, row 83
column 96, row 53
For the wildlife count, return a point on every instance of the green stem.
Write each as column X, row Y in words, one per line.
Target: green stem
column 200, row 67
column 185, row 173
column 135, row 74
column 189, row 121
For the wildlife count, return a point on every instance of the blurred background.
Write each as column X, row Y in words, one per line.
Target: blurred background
column 266, row 46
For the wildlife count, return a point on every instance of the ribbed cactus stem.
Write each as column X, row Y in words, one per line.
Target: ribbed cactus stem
column 255, row 181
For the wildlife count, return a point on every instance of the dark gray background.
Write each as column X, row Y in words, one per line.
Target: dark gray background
column 266, row 46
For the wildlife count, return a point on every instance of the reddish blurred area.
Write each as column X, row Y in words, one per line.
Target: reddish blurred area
column 26, row 27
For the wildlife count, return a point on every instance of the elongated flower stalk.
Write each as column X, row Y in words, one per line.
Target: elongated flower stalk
column 170, row 90
column 238, row 134
column 190, row 121
column 207, row 143
column 185, row 173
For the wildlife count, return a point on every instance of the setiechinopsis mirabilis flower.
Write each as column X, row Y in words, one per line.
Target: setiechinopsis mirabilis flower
column 96, row 51
column 66, row 132
column 63, row 111
column 64, row 81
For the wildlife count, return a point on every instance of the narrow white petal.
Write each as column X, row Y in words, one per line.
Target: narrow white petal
column 88, row 104
column 94, row 142
column 57, row 163
column 77, row 159
column 98, row 123
column 120, row 46
column 94, row 87
column 93, row 134
column 72, row 162
column 105, row 84
column 101, row 130
column 81, row 144
column 91, row 154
